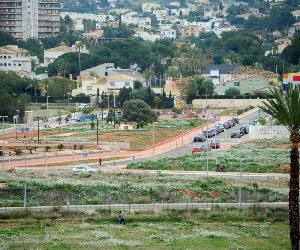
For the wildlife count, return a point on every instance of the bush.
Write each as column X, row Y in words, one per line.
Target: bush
column 18, row 151
column 60, row 147
column 47, row 148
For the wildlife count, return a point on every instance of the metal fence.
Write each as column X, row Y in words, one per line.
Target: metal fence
column 155, row 207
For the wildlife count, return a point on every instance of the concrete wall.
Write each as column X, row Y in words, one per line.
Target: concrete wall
column 268, row 132
column 228, row 103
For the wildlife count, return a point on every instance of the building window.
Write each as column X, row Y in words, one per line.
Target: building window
column 20, row 64
column 127, row 84
column 237, row 84
column 112, row 84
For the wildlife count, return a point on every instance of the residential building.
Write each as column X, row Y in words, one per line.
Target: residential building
column 293, row 78
column 51, row 54
column 105, row 77
column 30, row 19
column 13, row 58
column 220, row 73
column 149, row 7
column 147, row 36
column 168, row 34
column 160, row 13
column 248, row 85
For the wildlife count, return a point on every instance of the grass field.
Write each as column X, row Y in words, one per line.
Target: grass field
column 138, row 139
column 257, row 156
column 264, row 230
column 104, row 188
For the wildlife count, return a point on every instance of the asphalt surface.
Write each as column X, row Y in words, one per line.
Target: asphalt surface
column 225, row 140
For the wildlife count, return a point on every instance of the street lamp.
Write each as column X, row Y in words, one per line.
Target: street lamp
column 47, row 102
column 3, row 117
column 16, row 118
column 25, row 184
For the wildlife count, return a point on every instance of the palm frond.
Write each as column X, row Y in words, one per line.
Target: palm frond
column 285, row 107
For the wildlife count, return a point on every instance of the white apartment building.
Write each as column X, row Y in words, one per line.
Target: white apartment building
column 141, row 22
column 147, row 36
column 149, row 7
column 159, row 13
column 15, row 59
column 30, row 19
column 168, row 34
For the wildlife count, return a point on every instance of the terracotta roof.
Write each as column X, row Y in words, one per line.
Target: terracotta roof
column 63, row 48
column 12, row 50
column 120, row 77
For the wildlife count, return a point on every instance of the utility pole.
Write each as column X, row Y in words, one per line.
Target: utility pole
column 153, row 139
column 38, row 130
column 98, row 131
column 25, row 187
column 3, row 117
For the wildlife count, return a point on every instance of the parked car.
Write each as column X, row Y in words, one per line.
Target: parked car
column 226, row 126
column 221, row 127
column 246, row 129
column 200, row 138
column 214, row 144
column 208, row 133
column 83, row 169
column 241, row 131
column 86, row 118
column 236, row 134
column 105, row 114
column 236, row 120
column 201, row 149
column 214, row 132
column 218, row 129
column 230, row 124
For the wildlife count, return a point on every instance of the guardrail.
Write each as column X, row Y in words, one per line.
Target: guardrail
column 155, row 207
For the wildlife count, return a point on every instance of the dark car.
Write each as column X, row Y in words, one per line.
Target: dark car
column 200, row 138
column 245, row 130
column 236, row 134
column 236, row 120
column 241, row 131
column 221, row 126
column 225, row 124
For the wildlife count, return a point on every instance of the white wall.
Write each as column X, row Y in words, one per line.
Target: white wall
column 268, row 132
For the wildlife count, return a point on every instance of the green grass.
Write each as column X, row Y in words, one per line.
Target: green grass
column 103, row 188
column 222, row 229
column 258, row 156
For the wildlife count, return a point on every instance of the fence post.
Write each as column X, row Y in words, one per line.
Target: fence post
column 129, row 208
column 109, row 209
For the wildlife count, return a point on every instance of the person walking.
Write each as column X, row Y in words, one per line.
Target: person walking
column 121, row 218
column 100, row 161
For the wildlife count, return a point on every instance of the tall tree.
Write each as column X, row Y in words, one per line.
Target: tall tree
column 138, row 111
column 192, row 62
column 284, row 107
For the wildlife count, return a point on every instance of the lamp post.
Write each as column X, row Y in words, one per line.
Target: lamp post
column 38, row 130
column 25, row 184
column 97, row 131
column 47, row 102
column 3, row 117
column 153, row 140
column 17, row 121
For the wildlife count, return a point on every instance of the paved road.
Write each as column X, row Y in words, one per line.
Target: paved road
column 146, row 207
column 165, row 149
column 224, row 138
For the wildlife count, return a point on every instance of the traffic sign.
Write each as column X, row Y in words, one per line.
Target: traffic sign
column 85, row 155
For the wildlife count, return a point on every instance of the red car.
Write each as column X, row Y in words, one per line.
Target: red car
column 214, row 144
column 230, row 124
column 201, row 149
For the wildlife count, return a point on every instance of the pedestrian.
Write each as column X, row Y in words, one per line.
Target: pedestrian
column 100, row 161
column 122, row 217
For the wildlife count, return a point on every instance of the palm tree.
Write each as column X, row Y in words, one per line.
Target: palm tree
column 79, row 46
column 284, row 107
